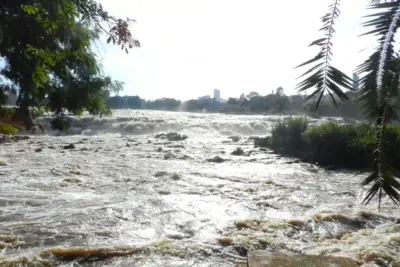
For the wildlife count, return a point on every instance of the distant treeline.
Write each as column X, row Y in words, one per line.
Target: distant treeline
column 274, row 103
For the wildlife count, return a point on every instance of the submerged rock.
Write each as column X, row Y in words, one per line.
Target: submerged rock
column 273, row 259
column 238, row 152
column 160, row 174
column 225, row 240
column 7, row 138
column 175, row 176
column 216, row 159
column 171, row 136
column 234, row 139
column 169, row 155
column 176, row 137
column 164, row 192
column 161, row 136
column 70, row 146
column 185, row 157
column 39, row 149
column 72, row 180
column 159, row 149
column 261, row 142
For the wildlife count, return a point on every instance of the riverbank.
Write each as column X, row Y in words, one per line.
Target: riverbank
column 330, row 143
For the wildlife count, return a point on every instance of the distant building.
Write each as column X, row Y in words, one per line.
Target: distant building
column 217, row 95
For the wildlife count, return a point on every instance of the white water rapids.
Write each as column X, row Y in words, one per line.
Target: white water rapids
column 117, row 190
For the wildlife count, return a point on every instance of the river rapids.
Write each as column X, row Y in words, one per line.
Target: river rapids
column 122, row 197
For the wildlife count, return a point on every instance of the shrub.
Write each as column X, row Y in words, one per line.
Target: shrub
column 287, row 134
column 7, row 129
column 341, row 145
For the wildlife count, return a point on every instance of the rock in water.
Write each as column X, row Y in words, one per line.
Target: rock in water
column 269, row 259
column 234, row 139
column 216, row 159
column 260, row 142
column 39, row 150
column 70, row 146
column 160, row 136
column 238, row 152
column 169, row 155
column 176, row 137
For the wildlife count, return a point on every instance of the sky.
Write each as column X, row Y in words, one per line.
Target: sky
column 190, row 47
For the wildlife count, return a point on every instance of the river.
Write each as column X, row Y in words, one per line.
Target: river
column 153, row 202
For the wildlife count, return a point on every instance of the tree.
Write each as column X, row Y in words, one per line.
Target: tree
column 258, row 104
column 243, row 100
column 378, row 88
column 50, row 54
column 252, row 94
column 280, row 91
column 232, row 101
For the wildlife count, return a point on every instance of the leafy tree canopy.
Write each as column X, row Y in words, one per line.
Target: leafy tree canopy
column 46, row 45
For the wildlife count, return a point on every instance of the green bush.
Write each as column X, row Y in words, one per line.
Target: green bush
column 7, row 129
column 6, row 112
column 341, row 145
column 287, row 134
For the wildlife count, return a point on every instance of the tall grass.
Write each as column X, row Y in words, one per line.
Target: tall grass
column 7, row 129
column 287, row 134
column 5, row 115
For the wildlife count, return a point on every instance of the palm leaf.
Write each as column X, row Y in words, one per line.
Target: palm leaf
column 379, row 83
column 322, row 76
column 377, row 87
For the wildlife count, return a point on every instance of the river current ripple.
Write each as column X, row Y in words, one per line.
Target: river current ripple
column 152, row 202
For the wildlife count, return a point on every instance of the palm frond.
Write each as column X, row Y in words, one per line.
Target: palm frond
column 384, row 177
column 322, row 76
column 379, row 84
column 377, row 70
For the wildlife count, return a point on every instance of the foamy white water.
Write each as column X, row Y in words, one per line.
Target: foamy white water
column 116, row 189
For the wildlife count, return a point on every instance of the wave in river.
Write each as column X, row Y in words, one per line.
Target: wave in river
column 137, row 123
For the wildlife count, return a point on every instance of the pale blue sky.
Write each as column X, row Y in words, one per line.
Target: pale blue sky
column 190, row 47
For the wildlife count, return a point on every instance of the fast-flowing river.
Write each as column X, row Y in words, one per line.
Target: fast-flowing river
column 152, row 202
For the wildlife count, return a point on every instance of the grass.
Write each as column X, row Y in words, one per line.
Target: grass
column 7, row 129
column 331, row 144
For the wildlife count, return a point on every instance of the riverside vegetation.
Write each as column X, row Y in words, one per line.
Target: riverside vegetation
column 331, row 144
